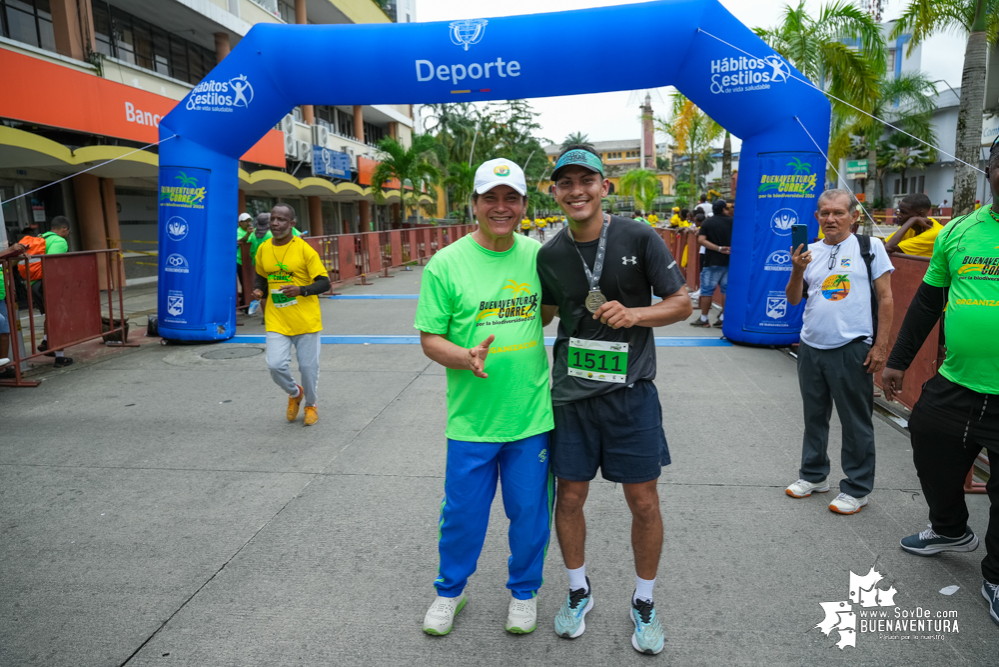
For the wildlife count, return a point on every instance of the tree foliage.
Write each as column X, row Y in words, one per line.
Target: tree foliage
column 415, row 165
column 840, row 50
column 643, row 185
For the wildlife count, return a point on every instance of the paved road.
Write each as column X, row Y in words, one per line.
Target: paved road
column 157, row 509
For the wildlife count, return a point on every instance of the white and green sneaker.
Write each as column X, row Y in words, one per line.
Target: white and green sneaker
column 440, row 616
column 569, row 621
column 522, row 617
column 648, row 636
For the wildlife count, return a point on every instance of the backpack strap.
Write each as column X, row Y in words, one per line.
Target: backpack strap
column 867, row 252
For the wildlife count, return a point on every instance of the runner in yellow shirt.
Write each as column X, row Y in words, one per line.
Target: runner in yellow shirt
column 525, row 226
column 917, row 232
column 541, row 224
column 293, row 275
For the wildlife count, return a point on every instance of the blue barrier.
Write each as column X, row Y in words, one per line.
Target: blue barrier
column 275, row 67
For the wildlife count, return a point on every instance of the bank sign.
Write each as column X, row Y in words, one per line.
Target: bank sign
column 183, row 214
column 786, row 193
column 332, row 164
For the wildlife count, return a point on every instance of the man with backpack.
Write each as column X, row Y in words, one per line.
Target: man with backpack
column 50, row 243
column 846, row 279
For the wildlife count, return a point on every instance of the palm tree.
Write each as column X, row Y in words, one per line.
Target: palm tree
column 900, row 153
column 980, row 20
column 414, row 165
column 820, row 49
column 575, row 138
column 905, row 101
column 643, row 185
column 461, row 179
column 694, row 132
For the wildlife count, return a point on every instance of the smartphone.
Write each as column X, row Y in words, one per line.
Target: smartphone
column 799, row 236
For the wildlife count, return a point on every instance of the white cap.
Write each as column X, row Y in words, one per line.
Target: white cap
column 499, row 172
column 245, row 216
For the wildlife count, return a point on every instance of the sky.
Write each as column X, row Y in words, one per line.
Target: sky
column 610, row 116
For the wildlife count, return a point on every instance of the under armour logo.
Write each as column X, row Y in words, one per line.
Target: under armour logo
column 629, row 260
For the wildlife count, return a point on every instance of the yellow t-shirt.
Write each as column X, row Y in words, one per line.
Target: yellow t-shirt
column 542, row 224
column 525, row 224
column 920, row 245
column 294, row 263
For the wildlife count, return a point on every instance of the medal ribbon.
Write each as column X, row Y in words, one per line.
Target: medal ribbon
column 598, row 263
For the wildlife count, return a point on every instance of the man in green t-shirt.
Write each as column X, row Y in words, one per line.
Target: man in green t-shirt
column 55, row 244
column 243, row 232
column 958, row 409
column 479, row 316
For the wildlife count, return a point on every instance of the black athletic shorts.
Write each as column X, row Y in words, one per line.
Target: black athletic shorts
column 621, row 433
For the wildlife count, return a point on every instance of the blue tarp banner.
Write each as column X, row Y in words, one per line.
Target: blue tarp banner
column 786, row 190
column 183, row 204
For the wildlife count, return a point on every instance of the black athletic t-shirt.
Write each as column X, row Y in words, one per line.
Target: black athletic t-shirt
column 637, row 264
column 718, row 230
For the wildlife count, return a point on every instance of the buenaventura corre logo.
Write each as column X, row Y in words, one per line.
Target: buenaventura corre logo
column 872, row 611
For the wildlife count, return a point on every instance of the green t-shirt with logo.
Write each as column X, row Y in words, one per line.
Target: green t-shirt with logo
column 469, row 293
column 966, row 259
column 240, row 233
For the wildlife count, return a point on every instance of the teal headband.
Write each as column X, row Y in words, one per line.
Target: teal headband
column 579, row 157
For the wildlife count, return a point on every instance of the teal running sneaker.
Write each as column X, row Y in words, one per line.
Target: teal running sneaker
column 648, row 637
column 569, row 621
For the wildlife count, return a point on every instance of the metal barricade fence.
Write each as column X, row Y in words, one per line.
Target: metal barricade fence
column 71, row 284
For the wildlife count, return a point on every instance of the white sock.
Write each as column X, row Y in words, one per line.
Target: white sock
column 45, row 338
column 704, row 318
column 298, row 392
column 721, row 317
column 643, row 589
column 59, row 353
column 577, row 578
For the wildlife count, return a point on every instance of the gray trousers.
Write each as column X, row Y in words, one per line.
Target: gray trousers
column 838, row 376
column 279, row 361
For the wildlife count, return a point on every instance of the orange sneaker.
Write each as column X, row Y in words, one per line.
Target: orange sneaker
column 294, row 402
column 311, row 415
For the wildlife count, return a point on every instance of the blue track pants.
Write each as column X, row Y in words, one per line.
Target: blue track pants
column 469, row 488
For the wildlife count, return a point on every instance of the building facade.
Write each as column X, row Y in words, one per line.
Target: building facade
column 88, row 81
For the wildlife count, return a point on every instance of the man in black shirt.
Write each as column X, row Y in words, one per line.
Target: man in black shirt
column 716, row 238
column 599, row 275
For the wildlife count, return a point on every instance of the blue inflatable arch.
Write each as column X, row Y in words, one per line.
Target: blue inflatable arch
column 740, row 82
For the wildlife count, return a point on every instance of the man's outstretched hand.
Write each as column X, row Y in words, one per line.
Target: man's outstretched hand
column 477, row 357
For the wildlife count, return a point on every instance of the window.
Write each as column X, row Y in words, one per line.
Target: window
column 123, row 36
column 897, row 186
column 28, row 21
column 373, row 134
column 922, row 184
column 286, row 11
column 912, row 185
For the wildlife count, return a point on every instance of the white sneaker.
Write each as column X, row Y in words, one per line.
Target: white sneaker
column 844, row 504
column 522, row 617
column 440, row 616
column 803, row 488
column 695, row 295
column 4, row 361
